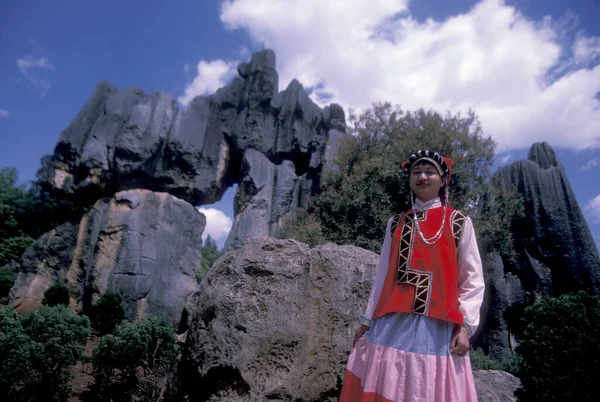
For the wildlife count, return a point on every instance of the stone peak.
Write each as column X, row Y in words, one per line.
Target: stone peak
column 543, row 154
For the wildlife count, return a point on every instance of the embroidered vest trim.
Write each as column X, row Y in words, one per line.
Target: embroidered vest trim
column 405, row 284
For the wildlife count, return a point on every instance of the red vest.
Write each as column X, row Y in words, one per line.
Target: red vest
column 422, row 278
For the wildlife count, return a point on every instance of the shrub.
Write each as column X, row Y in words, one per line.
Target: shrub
column 57, row 294
column 37, row 351
column 7, row 278
column 12, row 248
column 481, row 361
column 560, row 348
column 131, row 364
column 304, row 228
column 107, row 313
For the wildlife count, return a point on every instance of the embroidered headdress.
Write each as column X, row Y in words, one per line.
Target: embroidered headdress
column 443, row 165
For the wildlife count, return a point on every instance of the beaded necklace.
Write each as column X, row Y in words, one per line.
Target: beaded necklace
column 432, row 240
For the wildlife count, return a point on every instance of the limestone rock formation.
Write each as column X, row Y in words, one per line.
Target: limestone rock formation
column 274, row 320
column 555, row 251
column 504, row 297
column 124, row 139
column 141, row 244
column 264, row 196
column 553, row 235
column 496, row 386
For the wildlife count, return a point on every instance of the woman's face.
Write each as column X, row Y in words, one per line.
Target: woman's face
column 425, row 181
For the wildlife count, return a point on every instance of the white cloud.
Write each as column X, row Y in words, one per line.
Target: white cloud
column 593, row 208
column 4, row 113
column 210, row 76
column 218, row 224
column 491, row 59
column 34, row 69
column 504, row 160
column 28, row 62
column 588, row 165
column 586, row 49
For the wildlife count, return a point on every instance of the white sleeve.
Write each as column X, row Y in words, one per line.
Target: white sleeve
column 384, row 260
column 471, row 284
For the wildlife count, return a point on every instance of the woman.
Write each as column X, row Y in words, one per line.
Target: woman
column 413, row 342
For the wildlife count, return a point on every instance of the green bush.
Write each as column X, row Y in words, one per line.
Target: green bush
column 107, row 313
column 304, row 228
column 131, row 364
column 7, row 278
column 12, row 248
column 560, row 349
column 57, row 294
column 481, row 361
column 37, row 351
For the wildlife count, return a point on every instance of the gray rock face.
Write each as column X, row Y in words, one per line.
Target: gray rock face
column 504, row 292
column 44, row 263
column 554, row 233
column 264, row 197
column 555, row 251
column 274, row 320
column 124, row 139
column 496, row 386
column 143, row 245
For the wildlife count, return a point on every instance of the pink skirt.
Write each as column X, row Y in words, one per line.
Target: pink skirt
column 406, row 357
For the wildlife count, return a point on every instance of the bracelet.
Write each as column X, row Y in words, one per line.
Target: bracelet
column 467, row 329
column 366, row 322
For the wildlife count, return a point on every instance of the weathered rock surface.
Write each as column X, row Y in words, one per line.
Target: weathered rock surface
column 553, row 235
column 504, row 293
column 141, row 244
column 124, row 139
column 496, row 386
column 555, row 251
column 264, row 196
column 43, row 263
column 274, row 320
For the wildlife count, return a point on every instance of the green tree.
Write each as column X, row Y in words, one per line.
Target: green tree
column 7, row 279
column 132, row 363
column 303, row 228
column 12, row 248
column 500, row 204
column 560, row 348
column 36, row 352
column 368, row 185
column 13, row 201
column 107, row 313
column 209, row 254
column 57, row 294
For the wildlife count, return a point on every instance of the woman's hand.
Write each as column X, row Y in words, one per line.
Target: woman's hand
column 359, row 332
column 459, row 344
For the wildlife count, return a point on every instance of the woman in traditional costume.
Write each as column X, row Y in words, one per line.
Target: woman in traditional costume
column 413, row 342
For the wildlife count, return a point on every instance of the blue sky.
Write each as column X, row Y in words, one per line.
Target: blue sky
column 530, row 69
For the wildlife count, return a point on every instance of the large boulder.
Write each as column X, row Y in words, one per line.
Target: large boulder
column 274, row 320
column 143, row 245
column 496, row 386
